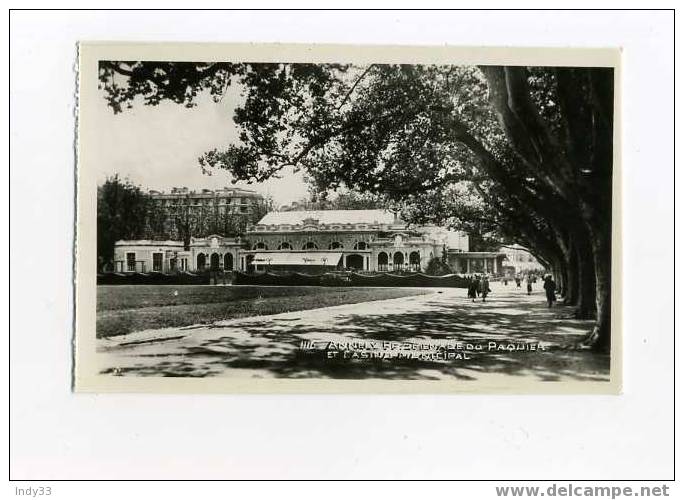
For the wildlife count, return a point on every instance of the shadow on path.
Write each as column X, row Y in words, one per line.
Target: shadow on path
column 271, row 346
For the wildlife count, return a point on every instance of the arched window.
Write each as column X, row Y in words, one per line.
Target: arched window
column 284, row 246
column 201, row 261
column 414, row 260
column 361, row 245
column 382, row 261
column 310, row 245
column 335, row 245
column 228, row 262
column 398, row 259
column 215, row 261
column 260, row 246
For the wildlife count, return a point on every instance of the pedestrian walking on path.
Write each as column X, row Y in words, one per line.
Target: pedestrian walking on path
column 529, row 285
column 485, row 288
column 550, row 287
column 472, row 289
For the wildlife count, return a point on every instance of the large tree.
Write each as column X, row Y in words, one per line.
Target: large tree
column 121, row 214
column 524, row 153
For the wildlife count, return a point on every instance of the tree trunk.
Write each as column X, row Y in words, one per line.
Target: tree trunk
column 569, row 269
column 563, row 267
column 558, row 275
column 572, row 273
column 599, row 338
column 586, row 299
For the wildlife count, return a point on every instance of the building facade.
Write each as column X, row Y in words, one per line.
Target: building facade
column 362, row 240
column 143, row 256
column 181, row 212
column 519, row 260
column 305, row 241
column 476, row 262
column 214, row 252
column 226, row 200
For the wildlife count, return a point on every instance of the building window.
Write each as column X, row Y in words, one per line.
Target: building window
column 310, row 245
column 398, row 260
column 130, row 261
column 355, row 261
column 260, row 246
column 201, row 262
column 361, row 245
column 285, row 246
column 414, row 261
column 382, row 261
column 335, row 245
column 157, row 259
column 215, row 261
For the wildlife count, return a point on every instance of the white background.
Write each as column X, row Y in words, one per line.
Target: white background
column 56, row 434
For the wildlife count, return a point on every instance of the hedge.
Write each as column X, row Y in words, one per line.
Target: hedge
column 153, row 278
column 352, row 279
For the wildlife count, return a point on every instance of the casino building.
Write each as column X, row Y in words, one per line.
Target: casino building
column 303, row 241
column 362, row 240
column 313, row 241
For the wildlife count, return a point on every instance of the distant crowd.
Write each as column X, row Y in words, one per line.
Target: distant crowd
column 478, row 285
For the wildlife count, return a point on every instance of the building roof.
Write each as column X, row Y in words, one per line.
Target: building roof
column 330, row 217
column 515, row 247
column 475, row 254
column 204, row 193
column 148, row 243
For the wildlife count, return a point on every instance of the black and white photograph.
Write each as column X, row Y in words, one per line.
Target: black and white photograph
column 354, row 221
column 257, row 251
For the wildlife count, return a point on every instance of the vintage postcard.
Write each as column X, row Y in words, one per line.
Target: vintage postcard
column 361, row 219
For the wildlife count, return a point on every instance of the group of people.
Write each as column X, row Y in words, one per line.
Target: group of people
column 530, row 279
column 480, row 286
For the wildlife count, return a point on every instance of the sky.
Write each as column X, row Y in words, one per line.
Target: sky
column 157, row 147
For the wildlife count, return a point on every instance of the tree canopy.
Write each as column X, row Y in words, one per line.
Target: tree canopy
column 121, row 214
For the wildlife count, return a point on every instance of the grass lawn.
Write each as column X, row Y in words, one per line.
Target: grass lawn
column 123, row 309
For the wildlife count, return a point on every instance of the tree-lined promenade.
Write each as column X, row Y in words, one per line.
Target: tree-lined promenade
column 524, row 153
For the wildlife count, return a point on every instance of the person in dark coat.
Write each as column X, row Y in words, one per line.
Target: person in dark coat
column 550, row 287
column 517, row 281
column 472, row 289
column 529, row 285
column 485, row 288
